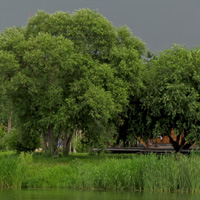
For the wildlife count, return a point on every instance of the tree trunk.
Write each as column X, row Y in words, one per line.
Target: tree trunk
column 44, row 139
column 75, row 142
column 187, row 146
column 10, row 122
column 52, row 141
column 179, row 145
column 174, row 144
column 67, row 143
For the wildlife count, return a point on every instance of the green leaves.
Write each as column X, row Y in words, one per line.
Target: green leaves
column 171, row 96
column 68, row 72
column 92, row 33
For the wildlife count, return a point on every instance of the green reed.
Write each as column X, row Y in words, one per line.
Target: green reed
column 14, row 170
column 168, row 173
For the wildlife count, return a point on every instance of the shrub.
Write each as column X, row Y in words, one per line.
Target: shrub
column 22, row 141
column 2, row 135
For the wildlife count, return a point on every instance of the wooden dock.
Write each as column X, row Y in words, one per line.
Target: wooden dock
column 144, row 150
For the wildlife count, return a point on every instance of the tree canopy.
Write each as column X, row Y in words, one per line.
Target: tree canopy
column 65, row 72
column 170, row 99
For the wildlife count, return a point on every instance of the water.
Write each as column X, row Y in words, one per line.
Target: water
column 90, row 195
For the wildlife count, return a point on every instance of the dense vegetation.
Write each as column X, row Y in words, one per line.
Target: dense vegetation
column 164, row 173
column 68, row 75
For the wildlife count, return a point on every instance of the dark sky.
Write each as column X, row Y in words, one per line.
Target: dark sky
column 159, row 23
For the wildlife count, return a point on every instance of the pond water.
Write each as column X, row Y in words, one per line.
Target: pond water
column 90, row 195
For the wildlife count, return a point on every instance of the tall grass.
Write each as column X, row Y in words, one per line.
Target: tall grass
column 139, row 173
column 14, row 170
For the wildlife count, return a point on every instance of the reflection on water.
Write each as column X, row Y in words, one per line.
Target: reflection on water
column 90, row 195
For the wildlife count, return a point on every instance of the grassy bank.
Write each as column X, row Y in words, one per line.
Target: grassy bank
column 121, row 172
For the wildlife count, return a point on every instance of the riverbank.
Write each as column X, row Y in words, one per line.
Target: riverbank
column 106, row 172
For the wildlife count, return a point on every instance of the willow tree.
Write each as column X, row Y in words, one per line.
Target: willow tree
column 11, row 48
column 11, row 45
column 75, row 72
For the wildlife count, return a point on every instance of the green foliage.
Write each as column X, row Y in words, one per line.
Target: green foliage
column 22, row 140
column 164, row 173
column 176, row 92
column 80, row 144
column 64, row 72
column 170, row 98
column 15, row 171
column 2, row 137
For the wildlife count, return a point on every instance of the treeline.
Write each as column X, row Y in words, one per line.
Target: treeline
column 76, row 73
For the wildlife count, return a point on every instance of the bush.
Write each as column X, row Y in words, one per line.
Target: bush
column 14, row 172
column 22, row 141
column 2, row 135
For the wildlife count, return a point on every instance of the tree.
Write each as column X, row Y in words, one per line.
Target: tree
column 127, row 60
column 11, row 45
column 74, row 73
column 111, row 61
column 95, row 91
column 170, row 99
column 44, row 82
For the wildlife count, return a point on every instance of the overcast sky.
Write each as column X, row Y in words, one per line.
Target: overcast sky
column 159, row 23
